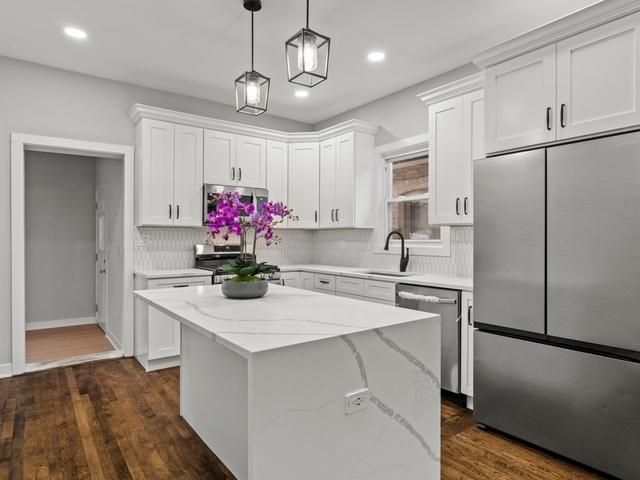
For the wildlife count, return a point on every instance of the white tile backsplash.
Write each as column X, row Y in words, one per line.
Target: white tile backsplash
column 160, row 248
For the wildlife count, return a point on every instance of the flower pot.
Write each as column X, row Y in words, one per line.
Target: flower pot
column 244, row 290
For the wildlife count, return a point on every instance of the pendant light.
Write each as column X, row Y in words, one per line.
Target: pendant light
column 252, row 88
column 307, row 56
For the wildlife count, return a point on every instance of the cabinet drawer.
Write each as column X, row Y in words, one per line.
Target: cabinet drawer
column 353, row 286
column 324, row 282
column 179, row 282
column 380, row 290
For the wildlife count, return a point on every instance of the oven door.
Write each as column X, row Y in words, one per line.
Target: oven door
column 247, row 195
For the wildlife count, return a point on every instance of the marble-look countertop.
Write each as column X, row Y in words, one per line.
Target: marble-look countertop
column 180, row 273
column 427, row 280
column 284, row 317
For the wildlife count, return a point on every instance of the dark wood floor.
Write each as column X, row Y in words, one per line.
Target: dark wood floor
column 111, row 420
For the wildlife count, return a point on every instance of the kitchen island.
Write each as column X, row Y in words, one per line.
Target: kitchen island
column 300, row 384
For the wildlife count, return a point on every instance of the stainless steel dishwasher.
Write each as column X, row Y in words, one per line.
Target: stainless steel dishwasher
column 446, row 303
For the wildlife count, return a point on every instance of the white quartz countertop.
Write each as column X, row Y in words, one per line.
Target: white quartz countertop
column 180, row 273
column 427, row 280
column 284, row 317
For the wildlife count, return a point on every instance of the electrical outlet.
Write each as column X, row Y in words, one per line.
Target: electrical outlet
column 356, row 401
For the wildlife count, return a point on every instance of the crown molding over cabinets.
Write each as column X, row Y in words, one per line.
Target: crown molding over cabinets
column 453, row 89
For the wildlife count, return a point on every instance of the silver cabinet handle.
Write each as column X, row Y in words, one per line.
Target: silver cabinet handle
column 337, row 215
column 549, row 118
column 333, row 215
column 170, row 210
column 233, row 173
column 239, row 173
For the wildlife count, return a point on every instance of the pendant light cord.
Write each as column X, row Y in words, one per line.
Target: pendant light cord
column 252, row 41
column 307, row 14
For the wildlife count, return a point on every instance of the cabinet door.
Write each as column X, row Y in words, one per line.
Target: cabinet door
column 164, row 335
column 306, row 280
column 473, row 107
column 327, row 213
column 345, row 180
column 599, row 79
column 156, row 173
column 290, row 279
column 188, row 176
column 219, row 158
column 447, row 161
column 277, row 173
column 520, row 96
column 304, row 183
column 467, row 345
column 251, row 161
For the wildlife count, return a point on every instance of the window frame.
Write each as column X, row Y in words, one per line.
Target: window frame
column 409, row 148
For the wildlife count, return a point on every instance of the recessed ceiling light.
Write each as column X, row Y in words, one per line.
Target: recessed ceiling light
column 376, row 56
column 301, row 93
column 76, row 33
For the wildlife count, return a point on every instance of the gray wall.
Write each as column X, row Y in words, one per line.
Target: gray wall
column 60, row 236
column 40, row 100
column 401, row 114
column 110, row 173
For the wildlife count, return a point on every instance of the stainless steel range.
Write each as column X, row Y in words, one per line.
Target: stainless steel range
column 214, row 257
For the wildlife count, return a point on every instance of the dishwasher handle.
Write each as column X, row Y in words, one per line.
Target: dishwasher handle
column 426, row 298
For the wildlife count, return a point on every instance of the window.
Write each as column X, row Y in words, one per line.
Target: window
column 408, row 200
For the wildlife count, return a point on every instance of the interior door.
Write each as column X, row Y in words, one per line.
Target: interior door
column 327, row 213
column 188, row 176
column 304, row 184
column 594, row 241
column 219, row 158
column 251, row 161
column 509, row 241
column 101, row 257
column 345, row 180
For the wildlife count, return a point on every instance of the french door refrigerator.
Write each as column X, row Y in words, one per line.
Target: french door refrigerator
column 557, row 299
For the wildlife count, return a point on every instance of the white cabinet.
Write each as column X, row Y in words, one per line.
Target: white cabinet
column 456, row 138
column 290, row 279
column 599, row 79
column 328, row 173
column 169, row 174
column 337, row 181
column 278, row 173
column 521, row 101
column 304, row 183
column 306, row 280
column 350, row 286
column 157, row 336
column 324, row 283
column 231, row 159
column 467, row 344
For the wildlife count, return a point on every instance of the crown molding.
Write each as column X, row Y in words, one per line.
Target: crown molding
column 407, row 147
column 453, row 89
column 139, row 111
column 565, row 27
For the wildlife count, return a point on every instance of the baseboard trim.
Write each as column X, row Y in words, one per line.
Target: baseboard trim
column 63, row 322
column 6, row 370
column 112, row 338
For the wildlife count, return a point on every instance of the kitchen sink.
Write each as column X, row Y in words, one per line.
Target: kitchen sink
column 390, row 274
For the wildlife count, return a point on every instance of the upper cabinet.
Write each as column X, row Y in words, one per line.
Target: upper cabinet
column 582, row 83
column 456, row 138
column 304, row 183
column 238, row 160
column 169, row 174
column 278, row 173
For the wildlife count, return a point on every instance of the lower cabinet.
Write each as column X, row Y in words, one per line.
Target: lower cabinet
column 467, row 347
column 157, row 336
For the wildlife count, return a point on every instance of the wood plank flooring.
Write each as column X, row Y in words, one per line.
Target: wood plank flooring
column 111, row 420
column 56, row 343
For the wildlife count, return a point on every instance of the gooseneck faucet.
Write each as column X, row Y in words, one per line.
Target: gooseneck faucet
column 404, row 257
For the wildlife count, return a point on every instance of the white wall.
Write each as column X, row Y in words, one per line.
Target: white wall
column 110, row 173
column 40, row 100
column 60, row 237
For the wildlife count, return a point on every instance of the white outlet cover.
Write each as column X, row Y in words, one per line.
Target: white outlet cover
column 357, row 401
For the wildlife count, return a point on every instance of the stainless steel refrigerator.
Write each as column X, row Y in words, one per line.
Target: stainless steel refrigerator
column 557, row 299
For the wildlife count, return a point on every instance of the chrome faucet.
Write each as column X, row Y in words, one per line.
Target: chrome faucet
column 404, row 258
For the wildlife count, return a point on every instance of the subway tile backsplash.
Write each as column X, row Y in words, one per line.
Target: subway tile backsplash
column 172, row 248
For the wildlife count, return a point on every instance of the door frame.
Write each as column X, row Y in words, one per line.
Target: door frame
column 103, row 187
column 24, row 142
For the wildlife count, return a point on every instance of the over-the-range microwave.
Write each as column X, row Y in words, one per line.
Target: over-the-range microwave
column 248, row 195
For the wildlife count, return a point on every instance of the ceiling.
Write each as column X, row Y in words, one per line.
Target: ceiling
column 198, row 47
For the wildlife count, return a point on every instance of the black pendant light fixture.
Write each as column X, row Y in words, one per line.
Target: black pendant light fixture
column 252, row 88
column 307, row 56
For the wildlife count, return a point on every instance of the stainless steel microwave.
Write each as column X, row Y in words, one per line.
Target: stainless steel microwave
column 248, row 195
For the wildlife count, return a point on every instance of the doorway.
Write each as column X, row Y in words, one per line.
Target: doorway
column 101, row 257
column 119, row 283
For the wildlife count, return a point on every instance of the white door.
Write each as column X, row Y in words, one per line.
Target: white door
column 328, row 204
column 188, row 176
column 446, row 162
column 599, row 79
column 219, row 158
column 304, row 183
column 473, row 108
column 157, row 173
column 345, row 180
column 251, row 161
column 520, row 101
column 277, row 173
column 467, row 344
column 101, row 257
